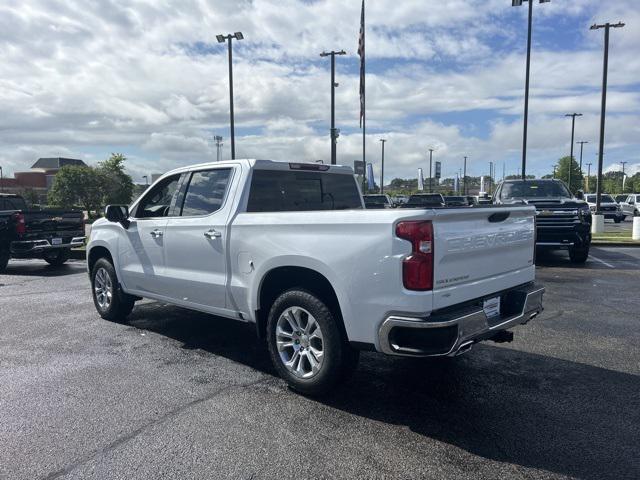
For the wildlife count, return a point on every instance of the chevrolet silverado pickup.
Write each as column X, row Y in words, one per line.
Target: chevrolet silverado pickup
column 46, row 234
column 563, row 221
column 290, row 248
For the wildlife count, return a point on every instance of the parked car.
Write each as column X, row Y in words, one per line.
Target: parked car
column 425, row 200
column 377, row 201
column 457, row 201
column 46, row 234
column 609, row 207
column 563, row 221
column 630, row 206
column 290, row 248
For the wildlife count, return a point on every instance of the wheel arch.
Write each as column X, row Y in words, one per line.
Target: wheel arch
column 283, row 278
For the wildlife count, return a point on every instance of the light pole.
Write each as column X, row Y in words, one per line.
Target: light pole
column 554, row 171
column 623, row 164
column 603, row 109
column 464, row 176
column 334, row 132
column 146, row 179
column 573, row 129
column 518, row 3
column 490, row 176
column 430, row 170
column 222, row 39
column 218, row 140
column 382, row 141
column 1, row 181
column 581, row 149
column 588, row 175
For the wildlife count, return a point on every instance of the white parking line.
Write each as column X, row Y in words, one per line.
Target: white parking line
column 601, row 261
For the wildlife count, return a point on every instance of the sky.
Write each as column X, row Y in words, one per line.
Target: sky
column 148, row 79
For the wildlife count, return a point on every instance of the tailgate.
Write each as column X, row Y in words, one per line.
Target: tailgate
column 480, row 251
column 52, row 223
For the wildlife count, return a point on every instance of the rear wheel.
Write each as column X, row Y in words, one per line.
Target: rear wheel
column 57, row 257
column 4, row 259
column 306, row 346
column 579, row 254
column 109, row 299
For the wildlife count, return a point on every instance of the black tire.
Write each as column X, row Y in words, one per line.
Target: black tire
column 57, row 257
column 338, row 358
column 579, row 254
column 617, row 219
column 120, row 304
column 4, row 259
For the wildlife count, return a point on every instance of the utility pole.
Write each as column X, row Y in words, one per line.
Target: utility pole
column 464, row 177
column 573, row 129
column 383, row 141
column 218, row 140
column 623, row 164
column 554, row 171
column 223, row 39
column 518, row 3
column 588, row 175
column 581, row 148
column 603, row 109
column 490, row 176
column 1, row 181
column 430, row 172
column 146, row 179
column 334, row 133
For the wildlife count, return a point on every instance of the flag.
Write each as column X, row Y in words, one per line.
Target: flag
column 420, row 180
column 361, row 54
column 370, row 180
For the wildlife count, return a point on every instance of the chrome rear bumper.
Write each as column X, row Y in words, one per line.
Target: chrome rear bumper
column 454, row 332
column 37, row 246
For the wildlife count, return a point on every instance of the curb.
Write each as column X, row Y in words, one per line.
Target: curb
column 615, row 244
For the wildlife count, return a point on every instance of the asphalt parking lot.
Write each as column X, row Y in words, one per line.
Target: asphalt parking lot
column 177, row 394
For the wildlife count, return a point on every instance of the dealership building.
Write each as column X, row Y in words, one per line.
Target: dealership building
column 39, row 178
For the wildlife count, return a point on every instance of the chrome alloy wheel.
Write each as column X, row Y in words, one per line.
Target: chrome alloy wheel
column 299, row 342
column 103, row 288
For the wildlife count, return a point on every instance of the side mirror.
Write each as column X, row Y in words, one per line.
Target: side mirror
column 117, row 214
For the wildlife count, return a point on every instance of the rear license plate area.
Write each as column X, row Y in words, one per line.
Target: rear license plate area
column 56, row 241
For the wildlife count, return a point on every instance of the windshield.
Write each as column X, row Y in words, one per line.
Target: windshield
column 603, row 199
column 533, row 189
column 377, row 199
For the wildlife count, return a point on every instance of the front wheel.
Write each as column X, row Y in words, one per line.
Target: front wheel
column 110, row 301
column 306, row 345
column 617, row 219
column 579, row 254
column 57, row 257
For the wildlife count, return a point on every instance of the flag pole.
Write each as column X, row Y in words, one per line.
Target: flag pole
column 364, row 104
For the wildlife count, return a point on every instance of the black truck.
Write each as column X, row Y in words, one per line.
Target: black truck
column 562, row 220
column 46, row 234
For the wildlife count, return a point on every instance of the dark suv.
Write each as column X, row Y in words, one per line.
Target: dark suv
column 562, row 221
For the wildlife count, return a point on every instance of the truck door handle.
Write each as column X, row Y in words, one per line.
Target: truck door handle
column 156, row 233
column 210, row 234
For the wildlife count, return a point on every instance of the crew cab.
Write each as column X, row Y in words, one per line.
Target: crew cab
column 608, row 207
column 29, row 233
column 290, row 248
column 563, row 221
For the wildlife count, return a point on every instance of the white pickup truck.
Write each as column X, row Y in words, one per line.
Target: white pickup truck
column 290, row 248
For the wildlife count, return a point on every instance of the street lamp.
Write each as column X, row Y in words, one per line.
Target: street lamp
column 573, row 128
column 588, row 175
column 222, row 39
column 581, row 148
column 334, row 132
column 146, row 179
column 518, row 3
column 383, row 141
column 431, row 150
column 603, row 109
column 218, row 140
column 464, row 177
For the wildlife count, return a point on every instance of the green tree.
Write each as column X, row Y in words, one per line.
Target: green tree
column 562, row 173
column 30, row 196
column 77, row 185
column 117, row 187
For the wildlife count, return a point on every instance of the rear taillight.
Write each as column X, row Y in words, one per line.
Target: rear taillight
column 417, row 268
column 21, row 227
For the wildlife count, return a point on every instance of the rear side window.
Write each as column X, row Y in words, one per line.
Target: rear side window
column 294, row 191
column 206, row 192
